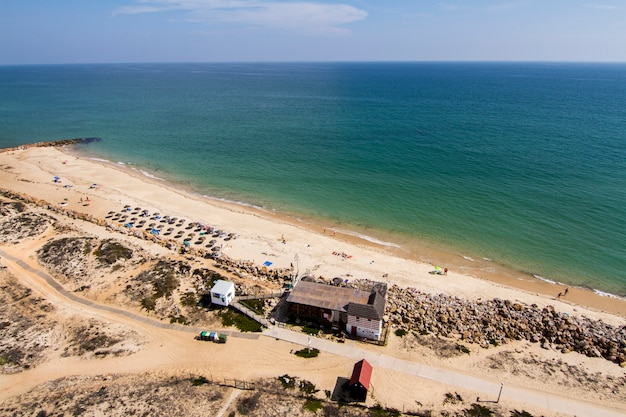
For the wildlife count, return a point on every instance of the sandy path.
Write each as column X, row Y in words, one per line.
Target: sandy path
column 308, row 247
column 233, row 394
column 168, row 337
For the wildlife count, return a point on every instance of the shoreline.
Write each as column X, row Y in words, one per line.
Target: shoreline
column 464, row 274
column 405, row 246
column 423, row 253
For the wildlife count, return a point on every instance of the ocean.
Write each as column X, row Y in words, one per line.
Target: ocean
column 518, row 165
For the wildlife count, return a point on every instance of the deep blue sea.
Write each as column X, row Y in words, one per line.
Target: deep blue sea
column 520, row 163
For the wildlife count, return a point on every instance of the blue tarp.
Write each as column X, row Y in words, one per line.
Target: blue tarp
column 267, row 263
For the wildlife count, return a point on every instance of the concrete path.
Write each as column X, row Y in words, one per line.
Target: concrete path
column 353, row 351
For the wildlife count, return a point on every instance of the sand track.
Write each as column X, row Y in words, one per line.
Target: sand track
column 158, row 332
column 406, row 373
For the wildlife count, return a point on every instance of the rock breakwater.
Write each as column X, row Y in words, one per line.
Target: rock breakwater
column 482, row 322
column 497, row 322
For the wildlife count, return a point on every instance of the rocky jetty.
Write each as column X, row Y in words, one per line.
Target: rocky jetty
column 497, row 322
column 59, row 142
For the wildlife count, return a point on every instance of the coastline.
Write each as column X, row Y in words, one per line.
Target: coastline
column 378, row 257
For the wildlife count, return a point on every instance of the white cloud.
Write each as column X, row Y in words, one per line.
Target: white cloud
column 296, row 15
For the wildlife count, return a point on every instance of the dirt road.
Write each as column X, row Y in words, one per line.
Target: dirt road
column 171, row 347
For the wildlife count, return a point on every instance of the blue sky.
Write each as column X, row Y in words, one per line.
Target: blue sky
column 91, row 31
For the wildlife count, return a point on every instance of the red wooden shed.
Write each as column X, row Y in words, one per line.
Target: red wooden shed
column 360, row 381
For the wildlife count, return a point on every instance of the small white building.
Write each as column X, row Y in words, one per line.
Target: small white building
column 222, row 293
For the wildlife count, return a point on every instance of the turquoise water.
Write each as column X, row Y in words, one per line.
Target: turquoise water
column 522, row 163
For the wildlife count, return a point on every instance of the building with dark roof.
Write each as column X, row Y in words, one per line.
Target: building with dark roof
column 359, row 312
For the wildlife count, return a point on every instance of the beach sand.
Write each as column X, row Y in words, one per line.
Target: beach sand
column 99, row 188
column 307, row 247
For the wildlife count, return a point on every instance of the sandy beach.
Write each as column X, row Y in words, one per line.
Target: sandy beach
column 110, row 187
column 104, row 191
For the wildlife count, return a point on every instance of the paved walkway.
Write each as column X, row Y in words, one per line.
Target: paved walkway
column 352, row 350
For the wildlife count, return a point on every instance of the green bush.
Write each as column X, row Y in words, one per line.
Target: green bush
column 452, row 398
column 149, row 303
column 189, row 299
column 199, row 381
column 310, row 330
column 287, row 381
column 248, row 404
column 522, row 413
column 379, row 411
column 400, row 332
column 308, row 387
column 110, row 251
column 478, row 410
column 463, row 348
column 307, row 353
column 312, row 404
column 240, row 321
column 178, row 319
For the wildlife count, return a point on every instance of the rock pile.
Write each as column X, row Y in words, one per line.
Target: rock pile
column 496, row 322
column 485, row 322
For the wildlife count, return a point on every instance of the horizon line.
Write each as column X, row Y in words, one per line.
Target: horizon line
column 400, row 61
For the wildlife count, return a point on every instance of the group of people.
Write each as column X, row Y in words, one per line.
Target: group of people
column 561, row 294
